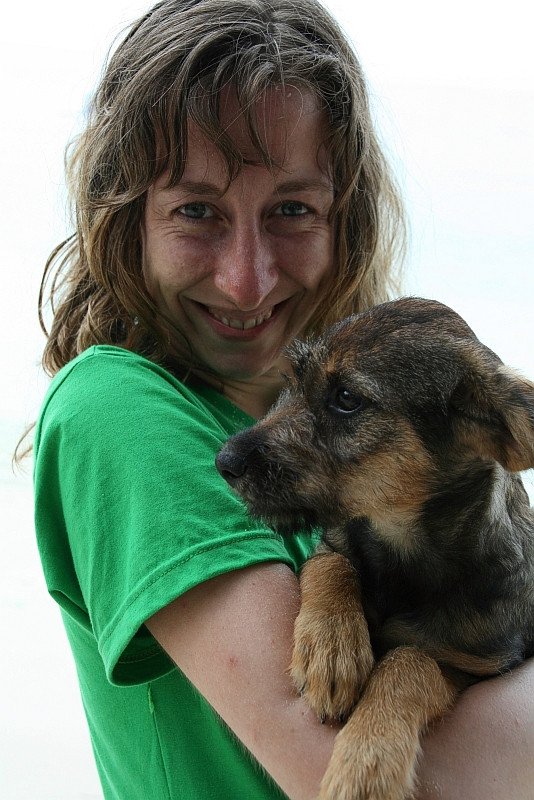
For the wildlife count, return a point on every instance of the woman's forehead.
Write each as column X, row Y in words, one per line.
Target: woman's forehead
column 291, row 127
column 279, row 114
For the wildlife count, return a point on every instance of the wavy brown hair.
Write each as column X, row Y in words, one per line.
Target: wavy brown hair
column 172, row 66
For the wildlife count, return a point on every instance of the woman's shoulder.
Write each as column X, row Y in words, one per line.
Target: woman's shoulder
column 104, row 379
column 111, row 363
column 110, row 387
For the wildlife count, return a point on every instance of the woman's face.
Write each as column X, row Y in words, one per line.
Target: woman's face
column 240, row 270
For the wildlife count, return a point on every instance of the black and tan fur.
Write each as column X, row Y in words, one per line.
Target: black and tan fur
column 401, row 436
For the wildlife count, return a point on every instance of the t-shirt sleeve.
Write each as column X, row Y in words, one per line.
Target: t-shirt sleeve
column 130, row 509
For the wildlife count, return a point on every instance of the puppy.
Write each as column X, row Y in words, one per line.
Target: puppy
column 399, row 435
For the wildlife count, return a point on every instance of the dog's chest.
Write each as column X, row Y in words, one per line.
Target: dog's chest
column 390, row 585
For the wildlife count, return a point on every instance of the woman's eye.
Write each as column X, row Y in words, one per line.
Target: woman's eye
column 196, row 211
column 292, row 209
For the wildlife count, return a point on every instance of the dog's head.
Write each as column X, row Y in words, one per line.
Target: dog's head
column 377, row 414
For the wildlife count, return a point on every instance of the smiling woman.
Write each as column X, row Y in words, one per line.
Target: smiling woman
column 230, row 194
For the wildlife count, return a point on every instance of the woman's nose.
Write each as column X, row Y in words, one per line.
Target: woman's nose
column 246, row 269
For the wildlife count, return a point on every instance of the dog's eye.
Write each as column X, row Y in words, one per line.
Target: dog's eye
column 342, row 401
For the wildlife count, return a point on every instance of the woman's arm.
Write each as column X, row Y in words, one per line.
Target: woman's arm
column 232, row 637
column 484, row 749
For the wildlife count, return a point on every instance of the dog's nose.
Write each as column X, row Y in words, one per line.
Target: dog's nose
column 230, row 465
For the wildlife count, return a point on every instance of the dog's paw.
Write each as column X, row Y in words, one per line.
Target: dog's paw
column 332, row 660
column 364, row 768
column 375, row 754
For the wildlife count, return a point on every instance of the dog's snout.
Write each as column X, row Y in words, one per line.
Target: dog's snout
column 231, row 465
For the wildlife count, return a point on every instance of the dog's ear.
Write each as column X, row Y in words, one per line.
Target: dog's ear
column 497, row 416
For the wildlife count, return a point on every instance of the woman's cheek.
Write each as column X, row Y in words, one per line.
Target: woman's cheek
column 309, row 262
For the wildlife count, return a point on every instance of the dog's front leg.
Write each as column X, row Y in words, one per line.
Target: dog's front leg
column 332, row 655
column 375, row 754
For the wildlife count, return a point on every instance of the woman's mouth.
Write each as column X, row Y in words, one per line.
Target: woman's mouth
column 240, row 324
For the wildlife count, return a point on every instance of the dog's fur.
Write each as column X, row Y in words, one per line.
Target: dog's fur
column 400, row 435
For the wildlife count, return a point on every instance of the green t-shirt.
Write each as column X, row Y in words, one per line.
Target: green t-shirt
column 131, row 513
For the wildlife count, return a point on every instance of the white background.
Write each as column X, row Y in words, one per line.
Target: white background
column 454, row 95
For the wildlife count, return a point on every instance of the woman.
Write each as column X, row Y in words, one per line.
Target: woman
column 230, row 195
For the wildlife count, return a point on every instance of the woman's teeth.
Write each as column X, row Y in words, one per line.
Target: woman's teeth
column 243, row 325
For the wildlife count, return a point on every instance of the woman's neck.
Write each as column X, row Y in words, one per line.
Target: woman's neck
column 254, row 395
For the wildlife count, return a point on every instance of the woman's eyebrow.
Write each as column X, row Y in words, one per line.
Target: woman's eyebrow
column 196, row 187
column 304, row 185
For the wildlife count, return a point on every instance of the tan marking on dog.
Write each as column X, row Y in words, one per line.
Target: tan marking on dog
column 472, row 664
column 331, row 365
column 390, row 487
